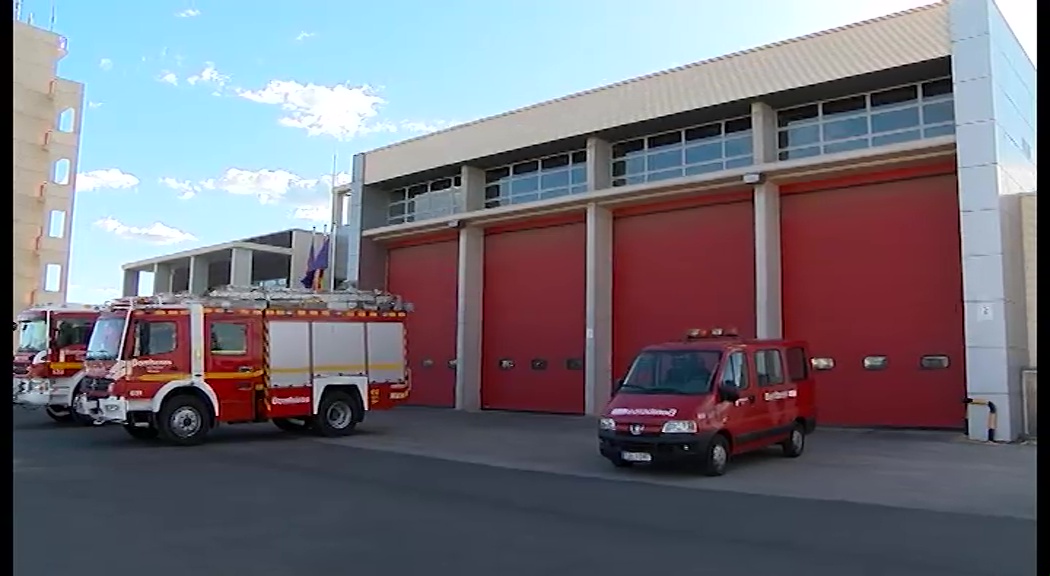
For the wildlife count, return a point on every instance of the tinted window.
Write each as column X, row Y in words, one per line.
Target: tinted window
column 769, row 367
column 73, row 332
column 152, row 338
column 734, row 373
column 797, row 367
column 672, row 372
column 229, row 338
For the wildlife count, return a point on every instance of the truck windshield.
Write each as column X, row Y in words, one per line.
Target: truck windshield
column 672, row 372
column 32, row 335
column 106, row 338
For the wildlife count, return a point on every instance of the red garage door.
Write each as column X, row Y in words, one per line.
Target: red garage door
column 681, row 269
column 426, row 276
column 872, row 274
column 534, row 320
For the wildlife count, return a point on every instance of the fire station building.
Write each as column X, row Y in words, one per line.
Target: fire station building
column 866, row 189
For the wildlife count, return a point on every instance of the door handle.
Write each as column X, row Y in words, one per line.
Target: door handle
column 245, row 369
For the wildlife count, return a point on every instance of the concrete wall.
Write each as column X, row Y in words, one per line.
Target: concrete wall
column 995, row 88
column 47, row 120
column 1028, row 231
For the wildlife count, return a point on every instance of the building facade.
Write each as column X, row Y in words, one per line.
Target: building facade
column 47, row 120
column 275, row 260
column 861, row 188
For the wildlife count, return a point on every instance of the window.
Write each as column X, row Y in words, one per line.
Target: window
column 53, row 278
column 60, row 171
column 56, row 224
column 697, row 150
column 550, row 177
column 229, row 338
column 672, row 372
column 153, row 338
column 798, row 368
column 66, row 120
column 734, row 373
column 441, row 197
column 900, row 114
column 934, row 362
column 875, row 362
column 73, row 332
column 769, row 368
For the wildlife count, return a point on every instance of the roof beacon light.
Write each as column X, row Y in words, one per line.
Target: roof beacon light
column 700, row 333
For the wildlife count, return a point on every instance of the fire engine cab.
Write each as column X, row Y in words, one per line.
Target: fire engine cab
column 708, row 397
column 175, row 366
column 49, row 355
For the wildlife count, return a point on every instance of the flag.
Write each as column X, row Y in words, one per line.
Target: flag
column 321, row 264
column 308, row 278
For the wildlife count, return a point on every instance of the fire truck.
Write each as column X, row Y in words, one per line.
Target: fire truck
column 49, row 355
column 176, row 366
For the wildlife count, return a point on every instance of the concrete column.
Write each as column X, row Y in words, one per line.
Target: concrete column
column 468, row 318
column 994, row 92
column 598, row 344
column 131, row 283
column 763, row 133
column 240, row 267
column 599, row 164
column 473, row 186
column 163, row 276
column 768, row 304
column 198, row 275
column 338, row 241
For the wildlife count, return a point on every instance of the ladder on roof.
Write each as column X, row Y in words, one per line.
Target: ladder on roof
column 260, row 297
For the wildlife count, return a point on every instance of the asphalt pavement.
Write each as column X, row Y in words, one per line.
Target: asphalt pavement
column 254, row 500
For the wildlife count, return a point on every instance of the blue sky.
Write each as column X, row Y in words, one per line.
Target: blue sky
column 211, row 120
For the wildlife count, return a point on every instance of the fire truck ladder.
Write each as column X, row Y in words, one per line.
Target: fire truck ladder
column 259, row 297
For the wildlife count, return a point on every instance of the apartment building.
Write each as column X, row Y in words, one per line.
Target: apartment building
column 47, row 118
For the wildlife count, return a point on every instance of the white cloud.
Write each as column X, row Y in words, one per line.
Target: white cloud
column 94, row 104
column 188, row 13
column 304, row 35
column 185, row 188
column 92, row 294
column 105, row 64
column 268, row 186
column 313, row 213
column 109, row 178
column 168, row 78
column 209, row 75
column 340, row 111
column 156, row 233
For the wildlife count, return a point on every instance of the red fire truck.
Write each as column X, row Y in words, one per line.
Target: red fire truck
column 49, row 356
column 175, row 366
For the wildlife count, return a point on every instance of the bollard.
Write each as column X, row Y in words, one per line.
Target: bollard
column 993, row 417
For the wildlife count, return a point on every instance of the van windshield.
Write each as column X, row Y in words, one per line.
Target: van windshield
column 688, row 372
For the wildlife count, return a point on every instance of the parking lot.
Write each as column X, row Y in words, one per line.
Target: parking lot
column 421, row 490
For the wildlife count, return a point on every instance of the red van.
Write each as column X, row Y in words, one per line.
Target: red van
column 708, row 397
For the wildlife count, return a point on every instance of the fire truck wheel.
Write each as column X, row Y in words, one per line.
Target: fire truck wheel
column 290, row 425
column 59, row 415
column 80, row 419
column 337, row 415
column 184, row 420
column 141, row 432
column 717, row 457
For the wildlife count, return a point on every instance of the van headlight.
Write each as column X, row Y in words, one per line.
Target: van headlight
column 679, row 427
column 607, row 424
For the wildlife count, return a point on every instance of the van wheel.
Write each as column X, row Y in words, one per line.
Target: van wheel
column 59, row 415
column 141, row 432
column 795, row 443
column 337, row 415
column 717, row 458
column 184, row 420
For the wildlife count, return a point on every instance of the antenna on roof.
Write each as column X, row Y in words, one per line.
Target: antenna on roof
column 18, row 10
column 29, row 20
column 51, row 23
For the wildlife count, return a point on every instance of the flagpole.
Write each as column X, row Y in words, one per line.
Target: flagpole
column 331, row 217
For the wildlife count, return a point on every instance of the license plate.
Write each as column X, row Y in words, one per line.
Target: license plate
column 636, row 456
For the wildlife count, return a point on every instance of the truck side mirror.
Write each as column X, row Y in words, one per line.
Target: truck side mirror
column 14, row 326
column 728, row 393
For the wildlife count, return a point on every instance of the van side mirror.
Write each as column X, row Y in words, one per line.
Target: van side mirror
column 728, row 393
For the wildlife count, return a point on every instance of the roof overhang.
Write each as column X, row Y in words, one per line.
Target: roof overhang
column 147, row 264
column 783, row 172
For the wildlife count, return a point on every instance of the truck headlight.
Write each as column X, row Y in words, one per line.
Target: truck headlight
column 679, row 427
column 607, row 424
